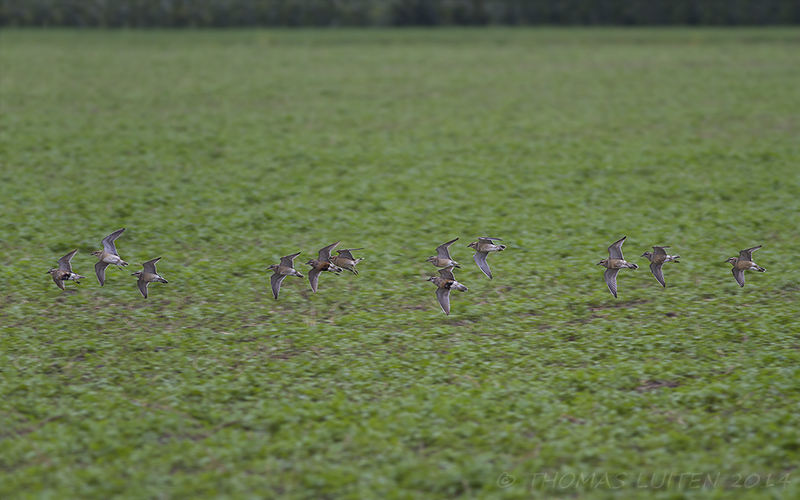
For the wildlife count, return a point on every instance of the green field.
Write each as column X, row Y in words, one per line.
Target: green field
column 222, row 151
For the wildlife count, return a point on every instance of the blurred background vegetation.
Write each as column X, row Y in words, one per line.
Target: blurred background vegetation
column 291, row 13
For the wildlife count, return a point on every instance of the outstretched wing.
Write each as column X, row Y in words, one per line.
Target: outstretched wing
column 288, row 260
column 313, row 278
column 150, row 266
column 611, row 280
column 480, row 259
column 108, row 241
column 443, row 294
column 443, row 250
column 659, row 251
column 64, row 263
column 58, row 281
column 346, row 253
column 276, row 280
column 615, row 250
column 325, row 253
column 488, row 239
column 142, row 287
column 739, row 275
column 447, row 273
column 747, row 254
column 100, row 271
column 655, row 268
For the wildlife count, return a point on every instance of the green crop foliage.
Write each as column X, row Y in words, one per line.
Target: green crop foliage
column 221, row 151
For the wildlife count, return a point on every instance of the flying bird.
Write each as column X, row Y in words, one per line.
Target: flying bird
column 108, row 255
column 64, row 271
column 322, row 264
column 482, row 247
column 442, row 257
column 614, row 263
column 444, row 283
column 744, row 263
column 148, row 275
column 657, row 259
column 281, row 271
column 346, row 260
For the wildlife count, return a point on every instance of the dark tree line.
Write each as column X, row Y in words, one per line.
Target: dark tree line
column 243, row 13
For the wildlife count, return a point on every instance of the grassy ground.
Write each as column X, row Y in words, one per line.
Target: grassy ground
column 222, row 151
